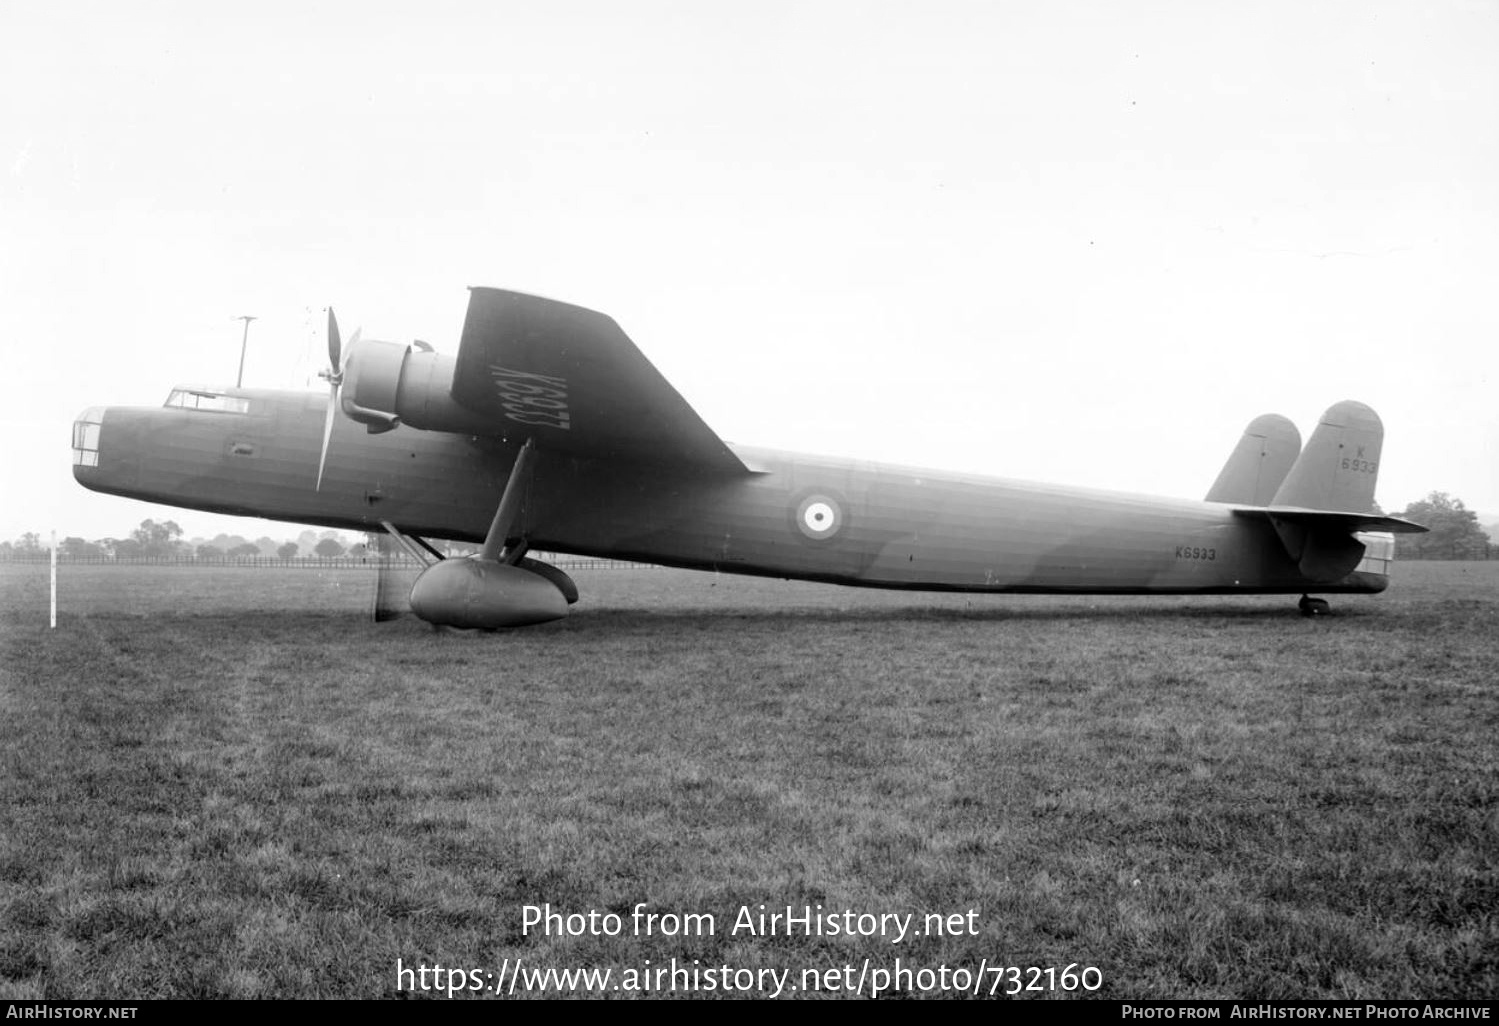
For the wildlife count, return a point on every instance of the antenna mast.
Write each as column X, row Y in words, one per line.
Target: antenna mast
column 244, row 341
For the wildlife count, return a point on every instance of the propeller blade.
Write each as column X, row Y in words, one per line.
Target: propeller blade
column 327, row 432
column 348, row 356
column 334, row 360
column 335, row 377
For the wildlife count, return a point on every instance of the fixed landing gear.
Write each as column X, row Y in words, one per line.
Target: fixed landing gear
column 1313, row 607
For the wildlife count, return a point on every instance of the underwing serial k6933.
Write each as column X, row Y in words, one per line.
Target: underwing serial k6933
column 550, row 430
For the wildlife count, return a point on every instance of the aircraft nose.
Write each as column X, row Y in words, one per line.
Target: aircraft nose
column 107, row 448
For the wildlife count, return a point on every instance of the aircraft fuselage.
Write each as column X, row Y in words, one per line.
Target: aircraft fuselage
column 797, row 516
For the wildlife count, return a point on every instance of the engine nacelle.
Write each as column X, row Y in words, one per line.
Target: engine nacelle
column 387, row 384
column 486, row 594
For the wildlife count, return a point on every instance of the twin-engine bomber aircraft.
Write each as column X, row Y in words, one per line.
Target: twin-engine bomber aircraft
column 551, row 430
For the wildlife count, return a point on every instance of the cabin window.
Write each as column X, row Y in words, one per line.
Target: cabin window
column 197, row 399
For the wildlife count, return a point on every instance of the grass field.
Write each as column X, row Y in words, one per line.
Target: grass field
column 231, row 784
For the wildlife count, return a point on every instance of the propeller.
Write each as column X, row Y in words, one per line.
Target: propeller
column 334, row 375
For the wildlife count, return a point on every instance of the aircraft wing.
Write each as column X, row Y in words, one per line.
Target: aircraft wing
column 573, row 380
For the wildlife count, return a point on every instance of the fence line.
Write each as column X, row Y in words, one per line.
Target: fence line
column 394, row 562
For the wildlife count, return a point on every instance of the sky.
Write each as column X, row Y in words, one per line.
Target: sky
column 1074, row 242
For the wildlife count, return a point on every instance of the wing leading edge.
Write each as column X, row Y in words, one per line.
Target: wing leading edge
column 572, row 379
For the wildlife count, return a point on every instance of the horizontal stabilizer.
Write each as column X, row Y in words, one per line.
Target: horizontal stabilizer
column 1323, row 542
column 1330, row 519
column 1259, row 463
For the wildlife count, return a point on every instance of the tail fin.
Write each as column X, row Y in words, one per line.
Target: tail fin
column 1337, row 469
column 1259, row 463
column 1328, row 495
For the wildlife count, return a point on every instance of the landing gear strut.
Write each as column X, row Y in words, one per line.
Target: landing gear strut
column 1313, row 607
column 499, row 587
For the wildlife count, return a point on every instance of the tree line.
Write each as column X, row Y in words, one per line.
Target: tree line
column 163, row 540
column 1454, row 531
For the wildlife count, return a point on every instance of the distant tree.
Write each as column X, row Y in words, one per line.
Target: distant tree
column 328, row 548
column 209, row 552
column 29, row 544
column 1454, row 533
column 157, row 539
column 288, row 550
column 247, row 549
column 77, row 548
column 128, row 548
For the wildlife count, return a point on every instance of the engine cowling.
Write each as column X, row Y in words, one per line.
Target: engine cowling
column 485, row 594
column 387, row 384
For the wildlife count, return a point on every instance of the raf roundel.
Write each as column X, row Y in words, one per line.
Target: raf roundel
column 819, row 517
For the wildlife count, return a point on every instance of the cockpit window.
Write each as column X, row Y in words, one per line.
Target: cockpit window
column 198, row 399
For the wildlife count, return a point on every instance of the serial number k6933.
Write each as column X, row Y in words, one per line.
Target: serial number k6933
column 1196, row 552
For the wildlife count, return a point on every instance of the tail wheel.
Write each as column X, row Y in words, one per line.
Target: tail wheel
column 1313, row 606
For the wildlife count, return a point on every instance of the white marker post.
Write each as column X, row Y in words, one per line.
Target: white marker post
column 53, row 624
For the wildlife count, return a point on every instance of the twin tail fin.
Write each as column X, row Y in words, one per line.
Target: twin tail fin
column 1318, row 497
